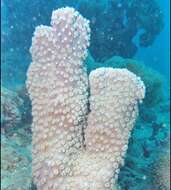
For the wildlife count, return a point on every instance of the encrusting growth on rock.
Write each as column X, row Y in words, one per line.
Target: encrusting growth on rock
column 74, row 149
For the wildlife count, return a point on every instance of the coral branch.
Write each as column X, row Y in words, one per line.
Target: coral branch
column 58, row 87
column 57, row 84
column 115, row 94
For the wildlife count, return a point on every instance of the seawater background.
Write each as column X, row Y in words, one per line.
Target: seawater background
column 158, row 55
column 150, row 136
column 19, row 19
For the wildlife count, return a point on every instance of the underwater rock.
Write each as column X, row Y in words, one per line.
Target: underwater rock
column 26, row 106
column 160, row 172
column 10, row 109
column 16, row 162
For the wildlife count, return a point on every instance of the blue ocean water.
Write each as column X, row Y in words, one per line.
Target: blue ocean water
column 158, row 55
column 136, row 31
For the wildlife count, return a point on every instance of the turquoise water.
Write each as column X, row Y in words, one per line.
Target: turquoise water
column 132, row 34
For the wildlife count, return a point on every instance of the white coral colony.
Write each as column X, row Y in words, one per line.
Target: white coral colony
column 74, row 149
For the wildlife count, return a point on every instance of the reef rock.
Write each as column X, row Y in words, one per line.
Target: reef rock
column 16, row 162
column 160, row 172
column 26, row 106
column 10, row 109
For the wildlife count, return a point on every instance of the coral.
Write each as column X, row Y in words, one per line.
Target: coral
column 148, row 139
column 74, row 148
column 10, row 112
column 57, row 84
column 151, row 78
column 113, row 104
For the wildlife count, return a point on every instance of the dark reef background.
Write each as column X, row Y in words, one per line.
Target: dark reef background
column 132, row 34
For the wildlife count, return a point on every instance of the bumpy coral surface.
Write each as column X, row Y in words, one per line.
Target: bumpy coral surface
column 152, row 79
column 70, row 151
column 113, row 104
column 57, row 84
